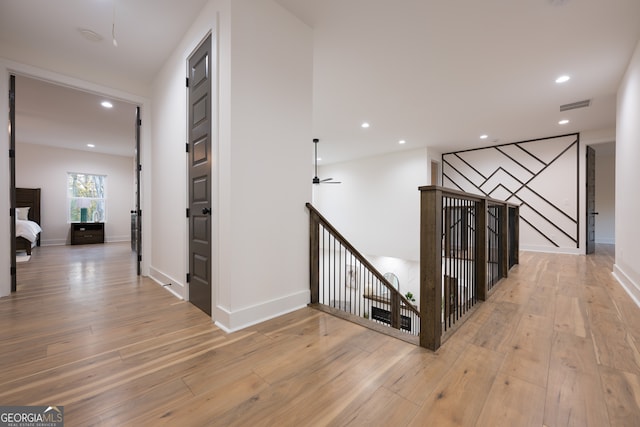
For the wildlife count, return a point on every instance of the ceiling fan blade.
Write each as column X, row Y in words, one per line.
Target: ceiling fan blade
column 326, row 179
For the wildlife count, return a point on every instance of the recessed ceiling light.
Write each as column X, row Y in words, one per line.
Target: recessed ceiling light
column 563, row 122
column 91, row 145
column 402, row 141
column 106, row 104
column 563, row 79
column 484, row 136
column 365, row 125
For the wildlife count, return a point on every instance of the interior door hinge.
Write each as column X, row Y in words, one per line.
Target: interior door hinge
column 187, row 146
column 139, row 258
column 187, row 81
column 139, row 168
column 188, row 277
column 139, row 213
column 139, row 122
column 12, row 153
column 188, row 213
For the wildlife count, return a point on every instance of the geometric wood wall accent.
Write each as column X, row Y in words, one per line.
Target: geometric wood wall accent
column 541, row 175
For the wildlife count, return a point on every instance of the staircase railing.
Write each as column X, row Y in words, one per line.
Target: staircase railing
column 467, row 244
column 345, row 284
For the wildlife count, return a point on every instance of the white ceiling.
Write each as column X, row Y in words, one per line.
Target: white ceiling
column 49, row 114
column 434, row 73
column 146, row 32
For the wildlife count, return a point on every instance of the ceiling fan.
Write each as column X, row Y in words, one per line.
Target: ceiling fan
column 317, row 180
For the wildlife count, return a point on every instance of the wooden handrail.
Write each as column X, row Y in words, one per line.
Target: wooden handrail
column 343, row 240
column 465, row 196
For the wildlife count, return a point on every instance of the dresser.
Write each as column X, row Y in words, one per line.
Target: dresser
column 87, row 232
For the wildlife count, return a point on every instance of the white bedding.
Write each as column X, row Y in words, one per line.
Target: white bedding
column 27, row 229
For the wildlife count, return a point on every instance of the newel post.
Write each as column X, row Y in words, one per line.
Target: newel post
column 482, row 246
column 430, row 267
column 314, row 256
column 504, row 240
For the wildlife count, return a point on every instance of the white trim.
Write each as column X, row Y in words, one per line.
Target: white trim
column 53, row 242
column 552, row 250
column 177, row 288
column 633, row 289
column 234, row 321
column 606, row 241
column 117, row 239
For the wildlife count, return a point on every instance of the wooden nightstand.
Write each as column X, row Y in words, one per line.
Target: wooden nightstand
column 87, row 232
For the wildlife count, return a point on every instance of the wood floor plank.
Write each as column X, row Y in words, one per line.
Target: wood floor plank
column 513, row 402
column 460, row 396
column 574, row 391
column 570, row 316
column 615, row 347
column 622, row 395
column 556, row 344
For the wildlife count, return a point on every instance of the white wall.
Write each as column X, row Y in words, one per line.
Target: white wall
column 605, row 193
column 553, row 170
column 261, row 165
column 377, row 206
column 627, row 265
column 43, row 167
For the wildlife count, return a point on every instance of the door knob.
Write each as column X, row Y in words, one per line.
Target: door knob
column 206, row 211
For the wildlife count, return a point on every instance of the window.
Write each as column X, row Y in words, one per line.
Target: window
column 86, row 197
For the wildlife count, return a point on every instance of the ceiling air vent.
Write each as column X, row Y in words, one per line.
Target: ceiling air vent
column 574, row 105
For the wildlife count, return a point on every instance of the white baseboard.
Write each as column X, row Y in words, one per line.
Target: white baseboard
column 609, row 241
column 175, row 287
column 632, row 288
column 117, row 239
column 553, row 250
column 232, row 321
column 53, row 242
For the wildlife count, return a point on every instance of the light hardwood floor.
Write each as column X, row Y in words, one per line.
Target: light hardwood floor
column 556, row 345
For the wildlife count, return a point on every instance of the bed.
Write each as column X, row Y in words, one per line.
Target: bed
column 27, row 219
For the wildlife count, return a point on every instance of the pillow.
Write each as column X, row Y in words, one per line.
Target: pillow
column 22, row 213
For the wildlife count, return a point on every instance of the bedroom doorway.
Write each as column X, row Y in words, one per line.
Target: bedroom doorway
column 65, row 129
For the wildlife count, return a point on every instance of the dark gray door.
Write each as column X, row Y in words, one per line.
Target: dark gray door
column 199, row 152
column 591, row 200
column 137, row 238
column 12, row 173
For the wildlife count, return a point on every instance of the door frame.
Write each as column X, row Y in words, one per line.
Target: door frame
column 9, row 67
column 12, row 179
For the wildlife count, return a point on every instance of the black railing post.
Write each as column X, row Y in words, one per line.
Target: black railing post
column 430, row 267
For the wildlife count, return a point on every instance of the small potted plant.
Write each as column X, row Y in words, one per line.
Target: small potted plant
column 409, row 296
